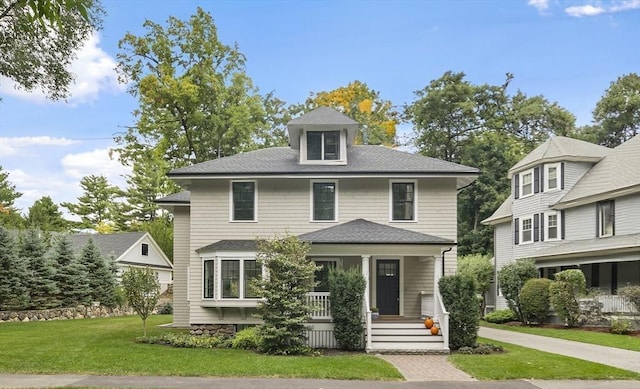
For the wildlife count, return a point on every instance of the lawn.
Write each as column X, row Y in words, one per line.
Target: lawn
column 626, row 342
column 107, row 347
column 524, row 363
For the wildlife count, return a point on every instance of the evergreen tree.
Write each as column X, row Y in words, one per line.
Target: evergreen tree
column 97, row 203
column 71, row 278
column 42, row 282
column 45, row 215
column 101, row 277
column 13, row 275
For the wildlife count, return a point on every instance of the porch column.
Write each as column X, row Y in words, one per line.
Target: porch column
column 365, row 274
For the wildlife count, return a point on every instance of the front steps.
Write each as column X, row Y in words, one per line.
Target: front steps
column 402, row 337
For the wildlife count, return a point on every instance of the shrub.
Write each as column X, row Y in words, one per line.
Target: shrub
column 184, row 340
column 500, row 316
column 165, row 309
column 565, row 290
column 631, row 292
column 346, row 291
column 458, row 294
column 480, row 268
column 621, row 327
column 247, row 339
column 534, row 300
column 481, row 349
column 511, row 278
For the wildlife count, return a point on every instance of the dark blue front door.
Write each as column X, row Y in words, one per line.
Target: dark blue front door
column 388, row 286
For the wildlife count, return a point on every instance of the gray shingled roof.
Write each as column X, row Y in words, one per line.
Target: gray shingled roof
column 592, row 246
column 361, row 160
column 183, row 197
column 503, row 211
column 361, row 231
column 561, row 148
column 108, row 244
column 323, row 115
column 618, row 171
column 230, row 245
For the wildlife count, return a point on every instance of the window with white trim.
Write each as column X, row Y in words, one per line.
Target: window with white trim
column 526, row 230
column 209, row 273
column 243, row 201
column 552, row 226
column 323, row 145
column 605, row 217
column 237, row 277
column 526, row 183
column 323, row 201
column 552, row 177
column 403, row 201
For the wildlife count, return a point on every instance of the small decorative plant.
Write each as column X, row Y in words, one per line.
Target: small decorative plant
column 375, row 313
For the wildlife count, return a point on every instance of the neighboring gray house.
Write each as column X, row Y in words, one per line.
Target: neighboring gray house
column 573, row 205
column 130, row 249
column 388, row 213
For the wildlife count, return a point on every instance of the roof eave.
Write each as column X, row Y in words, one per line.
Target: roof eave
column 596, row 197
column 566, row 158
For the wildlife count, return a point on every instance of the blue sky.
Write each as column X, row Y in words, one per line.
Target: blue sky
column 568, row 51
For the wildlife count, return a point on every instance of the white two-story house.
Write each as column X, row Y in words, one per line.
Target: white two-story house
column 388, row 213
column 573, row 204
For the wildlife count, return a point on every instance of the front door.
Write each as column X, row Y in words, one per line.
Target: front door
column 388, row 286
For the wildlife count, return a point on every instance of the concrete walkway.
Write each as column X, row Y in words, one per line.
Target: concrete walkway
column 622, row 359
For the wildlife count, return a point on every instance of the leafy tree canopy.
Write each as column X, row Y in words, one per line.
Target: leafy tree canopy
column 617, row 114
column 45, row 215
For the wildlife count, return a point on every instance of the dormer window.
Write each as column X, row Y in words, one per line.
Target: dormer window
column 323, row 145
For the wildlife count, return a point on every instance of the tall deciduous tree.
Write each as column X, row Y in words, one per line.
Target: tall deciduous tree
column 97, row 203
column 42, row 284
column 377, row 117
column 40, row 38
column 195, row 100
column 14, row 275
column 71, row 275
column 618, row 111
column 45, row 215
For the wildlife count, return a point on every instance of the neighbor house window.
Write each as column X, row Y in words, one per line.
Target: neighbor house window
column 403, row 201
column 145, row 249
column 605, row 218
column 243, row 201
column 321, row 275
column 526, row 183
column 552, row 177
column 237, row 277
column 208, row 278
column 526, row 231
column 323, row 201
column 323, row 145
column 552, row 226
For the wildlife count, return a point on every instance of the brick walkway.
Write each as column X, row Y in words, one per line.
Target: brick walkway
column 426, row 368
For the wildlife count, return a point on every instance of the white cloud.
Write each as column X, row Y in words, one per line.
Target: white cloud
column 96, row 162
column 94, row 73
column 15, row 145
column 598, row 8
column 540, row 5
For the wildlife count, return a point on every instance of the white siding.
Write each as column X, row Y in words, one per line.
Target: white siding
column 503, row 255
column 627, row 218
column 180, row 266
column 418, row 277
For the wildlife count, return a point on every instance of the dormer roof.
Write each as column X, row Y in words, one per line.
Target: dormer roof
column 560, row 148
column 319, row 119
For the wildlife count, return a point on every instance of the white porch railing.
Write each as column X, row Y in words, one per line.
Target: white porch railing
column 614, row 304
column 442, row 316
column 367, row 320
column 321, row 305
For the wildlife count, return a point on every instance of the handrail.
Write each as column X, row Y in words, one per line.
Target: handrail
column 443, row 317
column 367, row 319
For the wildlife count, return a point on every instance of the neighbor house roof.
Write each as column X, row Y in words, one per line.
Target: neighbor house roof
column 615, row 175
column 503, row 213
column 560, row 148
column 363, row 160
column 361, row 231
column 589, row 247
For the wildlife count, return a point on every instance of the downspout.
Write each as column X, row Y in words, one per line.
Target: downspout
column 443, row 253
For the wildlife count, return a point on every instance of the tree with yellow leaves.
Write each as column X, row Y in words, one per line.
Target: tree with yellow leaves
column 377, row 117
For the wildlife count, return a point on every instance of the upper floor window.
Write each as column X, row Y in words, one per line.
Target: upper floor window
column 552, row 231
column 526, row 183
column 243, row 201
column 526, row 231
column 605, row 218
column 403, row 201
column 552, row 174
column 323, row 201
column 145, row 249
column 323, row 145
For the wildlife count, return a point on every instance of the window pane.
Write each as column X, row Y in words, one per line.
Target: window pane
column 208, row 279
column 331, row 145
column 314, row 146
column 552, row 179
column 324, row 198
column 403, row 201
column 527, row 187
column 526, row 230
column 252, row 271
column 231, row 279
column 322, row 275
column 243, row 200
column 606, row 218
column 145, row 249
column 552, row 227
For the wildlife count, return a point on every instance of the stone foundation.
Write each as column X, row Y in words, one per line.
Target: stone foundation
column 80, row 312
column 226, row 330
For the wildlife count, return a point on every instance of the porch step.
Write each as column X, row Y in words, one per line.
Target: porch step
column 404, row 337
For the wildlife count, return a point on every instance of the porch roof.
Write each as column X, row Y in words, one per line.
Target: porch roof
column 361, row 231
column 589, row 247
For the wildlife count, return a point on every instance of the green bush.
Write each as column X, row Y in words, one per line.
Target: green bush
column 501, row 316
column 568, row 286
column 247, row 339
column 632, row 292
column 481, row 269
column 511, row 278
column 165, row 309
column 346, row 291
column 458, row 295
column 534, row 300
column 621, row 327
column 184, row 340
column 481, row 349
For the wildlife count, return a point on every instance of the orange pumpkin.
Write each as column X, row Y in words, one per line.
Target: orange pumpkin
column 428, row 322
column 434, row 330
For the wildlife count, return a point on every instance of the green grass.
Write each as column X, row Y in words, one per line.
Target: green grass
column 107, row 347
column 524, row 363
column 625, row 342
